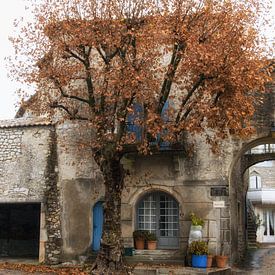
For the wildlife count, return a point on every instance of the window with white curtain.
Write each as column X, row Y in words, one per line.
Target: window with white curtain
column 255, row 182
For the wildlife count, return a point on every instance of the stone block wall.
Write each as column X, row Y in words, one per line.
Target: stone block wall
column 28, row 174
column 10, row 144
column 23, row 160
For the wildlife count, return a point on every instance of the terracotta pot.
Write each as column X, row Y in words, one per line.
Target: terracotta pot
column 209, row 260
column 152, row 245
column 139, row 243
column 221, row 260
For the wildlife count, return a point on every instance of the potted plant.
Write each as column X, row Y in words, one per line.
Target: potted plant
column 209, row 260
column 151, row 239
column 139, row 238
column 221, row 259
column 209, row 257
column 196, row 227
column 199, row 251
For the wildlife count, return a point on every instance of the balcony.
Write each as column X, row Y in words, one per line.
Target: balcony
column 261, row 196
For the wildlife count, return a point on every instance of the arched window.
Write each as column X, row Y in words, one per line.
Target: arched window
column 158, row 212
column 255, row 182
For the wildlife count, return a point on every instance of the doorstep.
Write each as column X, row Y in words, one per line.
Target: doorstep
column 166, row 262
column 156, row 256
column 177, row 270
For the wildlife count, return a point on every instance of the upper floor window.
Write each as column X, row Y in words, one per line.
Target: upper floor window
column 255, row 182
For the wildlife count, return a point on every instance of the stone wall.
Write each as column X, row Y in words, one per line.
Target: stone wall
column 53, row 246
column 23, row 160
column 80, row 185
column 24, row 156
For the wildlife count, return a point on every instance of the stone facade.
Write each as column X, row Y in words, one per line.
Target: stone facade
column 24, row 158
column 45, row 163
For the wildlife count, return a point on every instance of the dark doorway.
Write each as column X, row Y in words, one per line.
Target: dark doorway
column 19, row 229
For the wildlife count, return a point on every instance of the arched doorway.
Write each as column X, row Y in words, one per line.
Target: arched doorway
column 158, row 212
column 97, row 225
column 246, row 191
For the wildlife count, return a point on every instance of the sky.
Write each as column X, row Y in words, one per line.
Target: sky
column 14, row 9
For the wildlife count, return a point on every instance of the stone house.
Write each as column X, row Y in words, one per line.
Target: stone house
column 51, row 190
column 261, row 193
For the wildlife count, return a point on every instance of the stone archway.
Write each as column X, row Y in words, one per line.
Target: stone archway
column 238, row 190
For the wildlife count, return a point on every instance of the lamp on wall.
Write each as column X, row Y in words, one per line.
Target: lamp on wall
column 272, row 130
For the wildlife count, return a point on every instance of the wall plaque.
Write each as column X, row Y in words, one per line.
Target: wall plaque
column 219, row 191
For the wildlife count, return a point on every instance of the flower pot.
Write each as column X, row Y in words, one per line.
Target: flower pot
column 221, row 260
column 139, row 243
column 195, row 233
column 209, row 260
column 151, row 245
column 199, row 261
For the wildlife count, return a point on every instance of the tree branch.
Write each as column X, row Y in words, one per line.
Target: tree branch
column 107, row 57
column 197, row 84
column 169, row 76
column 189, row 94
column 76, row 56
column 58, row 86
column 71, row 115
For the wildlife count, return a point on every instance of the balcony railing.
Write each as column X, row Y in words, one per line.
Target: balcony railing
column 261, row 196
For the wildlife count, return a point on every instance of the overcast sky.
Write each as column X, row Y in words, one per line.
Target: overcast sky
column 11, row 10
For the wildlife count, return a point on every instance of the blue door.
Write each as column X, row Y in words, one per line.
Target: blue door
column 97, row 225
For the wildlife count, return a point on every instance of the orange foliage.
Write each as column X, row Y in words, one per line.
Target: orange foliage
column 94, row 60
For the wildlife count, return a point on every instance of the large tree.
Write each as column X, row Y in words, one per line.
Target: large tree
column 118, row 64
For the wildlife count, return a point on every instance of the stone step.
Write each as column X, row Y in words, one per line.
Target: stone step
column 180, row 271
column 157, row 252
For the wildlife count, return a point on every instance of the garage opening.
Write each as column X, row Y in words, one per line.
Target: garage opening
column 19, row 229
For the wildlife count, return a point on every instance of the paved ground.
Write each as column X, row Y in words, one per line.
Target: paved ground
column 257, row 262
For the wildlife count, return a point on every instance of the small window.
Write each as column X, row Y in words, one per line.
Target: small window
column 255, row 182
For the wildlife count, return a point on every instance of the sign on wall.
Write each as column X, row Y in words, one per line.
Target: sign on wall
column 219, row 191
column 218, row 204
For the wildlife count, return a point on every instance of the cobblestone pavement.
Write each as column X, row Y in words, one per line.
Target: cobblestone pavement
column 257, row 261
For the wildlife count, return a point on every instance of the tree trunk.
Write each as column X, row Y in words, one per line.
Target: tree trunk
column 109, row 259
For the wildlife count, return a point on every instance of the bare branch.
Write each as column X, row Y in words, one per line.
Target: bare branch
column 64, row 94
column 71, row 114
column 107, row 57
column 189, row 94
column 169, row 76
column 75, row 55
